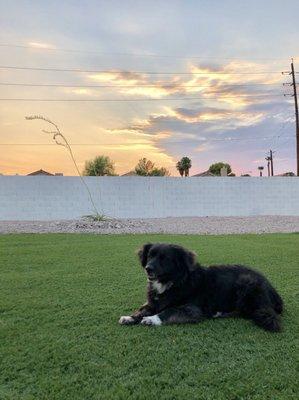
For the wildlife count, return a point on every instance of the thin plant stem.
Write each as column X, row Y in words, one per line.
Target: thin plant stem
column 56, row 135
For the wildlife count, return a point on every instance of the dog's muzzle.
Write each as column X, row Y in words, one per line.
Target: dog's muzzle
column 150, row 271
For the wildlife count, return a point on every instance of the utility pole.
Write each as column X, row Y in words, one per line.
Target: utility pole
column 293, row 84
column 296, row 113
column 270, row 161
column 268, row 165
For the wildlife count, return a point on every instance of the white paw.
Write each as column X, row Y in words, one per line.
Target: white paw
column 153, row 320
column 218, row 314
column 126, row 320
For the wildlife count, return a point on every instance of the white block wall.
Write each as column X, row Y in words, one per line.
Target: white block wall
column 57, row 197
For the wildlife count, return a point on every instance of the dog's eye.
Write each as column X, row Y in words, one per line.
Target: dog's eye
column 151, row 254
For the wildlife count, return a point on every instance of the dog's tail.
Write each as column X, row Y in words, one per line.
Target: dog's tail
column 267, row 319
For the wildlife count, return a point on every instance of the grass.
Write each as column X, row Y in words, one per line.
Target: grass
column 61, row 297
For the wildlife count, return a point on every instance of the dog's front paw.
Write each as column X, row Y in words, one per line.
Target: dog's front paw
column 152, row 320
column 126, row 320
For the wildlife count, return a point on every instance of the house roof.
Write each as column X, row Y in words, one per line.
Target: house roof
column 130, row 173
column 205, row 173
column 287, row 174
column 40, row 172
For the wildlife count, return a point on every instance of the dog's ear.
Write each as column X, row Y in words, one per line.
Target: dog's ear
column 191, row 256
column 143, row 253
column 189, row 259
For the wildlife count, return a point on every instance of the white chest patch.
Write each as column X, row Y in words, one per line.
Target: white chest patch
column 160, row 287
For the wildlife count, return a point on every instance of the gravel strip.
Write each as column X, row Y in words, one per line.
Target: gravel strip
column 182, row 225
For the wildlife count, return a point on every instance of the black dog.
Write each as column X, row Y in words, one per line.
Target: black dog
column 182, row 291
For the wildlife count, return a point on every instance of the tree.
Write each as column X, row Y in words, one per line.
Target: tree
column 99, row 166
column 180, row 168
column 146, row 167
column 216, row 168
column 160, row 172
column 184, row 165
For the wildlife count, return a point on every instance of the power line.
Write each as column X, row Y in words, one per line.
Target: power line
column 237, row 139
column 56, row 49
column 162, row 85
column 288, row 139
column 135, row 72
column 104, row 145
column 54, row 144
column 281, row 131
column 143, row 100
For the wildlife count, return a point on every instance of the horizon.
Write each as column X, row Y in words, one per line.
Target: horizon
column 192, row 79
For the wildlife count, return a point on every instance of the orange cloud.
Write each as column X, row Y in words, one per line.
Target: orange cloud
column 226, row 84
column 194, row 116
column 223, row 106
column 40, row 45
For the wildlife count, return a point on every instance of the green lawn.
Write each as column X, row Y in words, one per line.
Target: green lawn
column 61, row 297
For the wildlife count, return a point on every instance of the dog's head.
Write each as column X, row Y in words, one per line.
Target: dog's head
column 166, row 262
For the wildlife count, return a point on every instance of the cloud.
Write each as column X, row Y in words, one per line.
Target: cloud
column 40, row 45
column 229, row 107
column 120, row 78
column 223, row 117
column 208, row 132
column 80, row 91
column 229, row 84
column 200, row 121
column 203, row 147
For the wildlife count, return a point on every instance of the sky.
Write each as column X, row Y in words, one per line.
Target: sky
column 156, row 79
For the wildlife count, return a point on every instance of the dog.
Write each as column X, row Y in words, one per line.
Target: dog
column 181, row 291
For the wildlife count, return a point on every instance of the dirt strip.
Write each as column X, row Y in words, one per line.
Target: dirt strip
column 183, row 225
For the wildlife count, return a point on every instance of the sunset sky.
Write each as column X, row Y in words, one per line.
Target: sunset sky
column 205, row 77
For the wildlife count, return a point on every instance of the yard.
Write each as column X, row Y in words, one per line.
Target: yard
column 61, row 297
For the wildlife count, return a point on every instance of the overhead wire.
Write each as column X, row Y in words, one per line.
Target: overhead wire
column 52, row 49
column 99, row 71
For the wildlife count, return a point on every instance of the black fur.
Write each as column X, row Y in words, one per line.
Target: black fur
column 182, row 291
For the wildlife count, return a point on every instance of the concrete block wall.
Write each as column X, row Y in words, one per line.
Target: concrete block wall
column 63, row 197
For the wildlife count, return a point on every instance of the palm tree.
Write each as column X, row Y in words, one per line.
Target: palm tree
column 99, row 166
column 185, row 164
column 180, row 168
